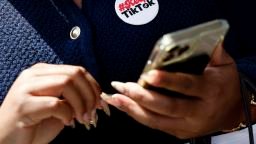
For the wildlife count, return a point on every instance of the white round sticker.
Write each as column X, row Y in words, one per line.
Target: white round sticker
column 137, row 12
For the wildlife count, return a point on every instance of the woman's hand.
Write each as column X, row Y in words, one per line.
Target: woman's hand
column 45, row 98
column 214, row 101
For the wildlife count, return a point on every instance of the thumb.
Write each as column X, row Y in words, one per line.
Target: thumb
column 220, row 57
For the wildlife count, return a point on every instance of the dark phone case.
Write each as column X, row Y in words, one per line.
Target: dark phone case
column 194, row 65
column 187, row 50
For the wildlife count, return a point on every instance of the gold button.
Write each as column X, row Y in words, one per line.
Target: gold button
column 75, row 32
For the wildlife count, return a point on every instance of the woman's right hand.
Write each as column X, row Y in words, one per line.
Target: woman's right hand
column 45, row 98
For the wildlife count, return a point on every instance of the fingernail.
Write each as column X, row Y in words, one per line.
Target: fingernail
column 87, row 119
column 143, row 77
column 93, row 121
column 96, row 120
column 87, row 126
column 105, row 97
column 111, row 99
column 142, row 82
column 150, row 73
column 105, row 107
column 147, row 77
column 118, row 86
column 72, row 124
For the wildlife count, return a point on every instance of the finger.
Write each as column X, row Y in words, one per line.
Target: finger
column 40, row 69
column 95, row 87
column 187, row 84
column 52, row 85
column 62, row 85
column 158, row 103
column 220, row 57
column 87, row 85
column 174, row 126
column 37, row 109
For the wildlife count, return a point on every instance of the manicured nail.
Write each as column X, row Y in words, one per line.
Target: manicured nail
column 144, row 77
column 111, row 99
column 72, row 124
column 105, row 107
column 87, row 120
column 147, row 78
column 87, row 126
column 148, row 74
column 93, row 121
column 152, row 73
column 118, row 86
column 142, row 82
column 105, row 97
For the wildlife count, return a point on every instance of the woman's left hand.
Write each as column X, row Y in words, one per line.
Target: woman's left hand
column 214, row 102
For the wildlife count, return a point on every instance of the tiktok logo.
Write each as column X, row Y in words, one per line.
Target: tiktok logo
column 137, row 12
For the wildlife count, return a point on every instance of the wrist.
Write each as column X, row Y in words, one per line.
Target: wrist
column 7, row 127
column 253, row 108
column 247, row 111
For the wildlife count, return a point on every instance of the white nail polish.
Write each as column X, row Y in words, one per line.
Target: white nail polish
column 105, row 97
column 105, row 107
column 72, row 124
column 93, row 121
column 87, row 126
column 118, row 86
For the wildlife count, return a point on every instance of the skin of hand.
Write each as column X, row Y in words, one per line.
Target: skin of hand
column 78, row 3
column 45, row 98
column 214, row 102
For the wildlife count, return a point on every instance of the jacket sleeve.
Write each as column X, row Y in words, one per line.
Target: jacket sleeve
column 248, row 67
column 20, row 46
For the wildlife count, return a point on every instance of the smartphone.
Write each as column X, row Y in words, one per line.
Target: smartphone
column 188, row 50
